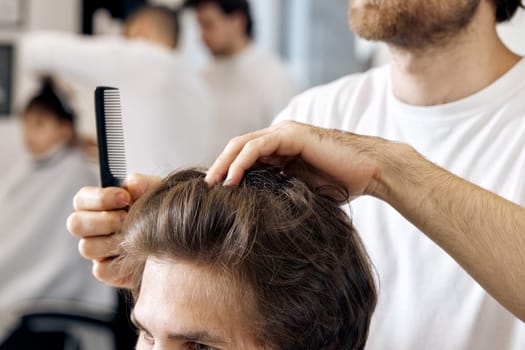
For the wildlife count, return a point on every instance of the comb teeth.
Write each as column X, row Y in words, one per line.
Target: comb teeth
column 110, row 135
column 114, row 134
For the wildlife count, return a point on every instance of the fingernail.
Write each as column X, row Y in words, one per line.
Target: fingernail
column 228, row 182
column 122, row 200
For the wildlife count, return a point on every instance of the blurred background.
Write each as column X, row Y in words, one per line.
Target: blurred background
column 311, row 36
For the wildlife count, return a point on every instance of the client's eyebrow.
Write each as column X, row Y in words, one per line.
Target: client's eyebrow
column 195, row 336
column 198, row 337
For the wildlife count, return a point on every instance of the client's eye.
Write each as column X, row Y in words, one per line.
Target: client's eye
column 197, row 346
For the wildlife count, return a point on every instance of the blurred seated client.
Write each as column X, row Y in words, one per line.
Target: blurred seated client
column 267, row 265
column 38, row 260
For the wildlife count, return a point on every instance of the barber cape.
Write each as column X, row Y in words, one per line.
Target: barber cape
column 426, row 300
column 39, row 259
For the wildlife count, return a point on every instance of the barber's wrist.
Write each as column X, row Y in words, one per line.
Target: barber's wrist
column 397, row 168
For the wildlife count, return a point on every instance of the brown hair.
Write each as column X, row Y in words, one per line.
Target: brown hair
column 295, row 251
column 52, row 101
column 229, row 7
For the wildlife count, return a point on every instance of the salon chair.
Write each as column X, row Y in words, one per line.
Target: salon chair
column 66, row 326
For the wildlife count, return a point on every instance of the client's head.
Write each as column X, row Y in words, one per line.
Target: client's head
column 266, row 265
column 48, row 121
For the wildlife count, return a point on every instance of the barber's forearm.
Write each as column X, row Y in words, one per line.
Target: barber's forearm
column 483, row 232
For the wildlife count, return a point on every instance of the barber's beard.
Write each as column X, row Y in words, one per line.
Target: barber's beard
column 411, row 24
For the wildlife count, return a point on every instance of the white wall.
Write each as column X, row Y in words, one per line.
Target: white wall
column 54, row 14
column 298, row 27
column 38, row 14
column 45, row 14
column 268, row 24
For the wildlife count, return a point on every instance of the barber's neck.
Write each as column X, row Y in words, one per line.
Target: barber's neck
column 466, row 64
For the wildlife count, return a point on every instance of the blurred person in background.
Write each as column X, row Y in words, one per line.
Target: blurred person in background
column 38, row 261
column 250, row 86
column 166, row 107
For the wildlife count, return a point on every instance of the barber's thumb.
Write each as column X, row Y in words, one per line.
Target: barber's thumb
column 138, row 184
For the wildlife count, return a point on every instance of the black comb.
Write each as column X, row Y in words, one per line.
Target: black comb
column 110, row 135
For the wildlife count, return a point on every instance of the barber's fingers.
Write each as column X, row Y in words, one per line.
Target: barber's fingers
column 91, row 223
column 218, row 171
column 283, row 141
column 99, row 199
column 109, row 272
column 279, row 142
column 138, row 184
column 111, row 198
column 101, row 247
column 105, row 252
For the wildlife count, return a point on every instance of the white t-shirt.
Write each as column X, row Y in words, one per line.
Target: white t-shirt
column 166, row 107
column 426, row 300
column 39, row 259
column 249, row 90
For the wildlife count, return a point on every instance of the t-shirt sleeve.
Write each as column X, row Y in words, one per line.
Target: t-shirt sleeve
column 288, row 113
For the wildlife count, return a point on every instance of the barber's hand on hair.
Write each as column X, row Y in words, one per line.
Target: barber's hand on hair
column 98, row 217
column 459, row 216
column 315, row 155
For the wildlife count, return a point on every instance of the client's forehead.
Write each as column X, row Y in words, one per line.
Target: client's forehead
column 180, row 298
